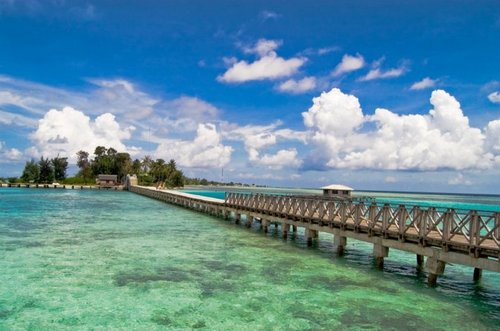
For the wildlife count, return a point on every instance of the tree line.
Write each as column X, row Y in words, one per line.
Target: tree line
column 103, row 161
column 45, row 170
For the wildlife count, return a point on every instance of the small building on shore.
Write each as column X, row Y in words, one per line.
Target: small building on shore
column 337, row 191
column 107, row 180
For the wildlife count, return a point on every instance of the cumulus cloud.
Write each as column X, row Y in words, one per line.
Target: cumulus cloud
column 493, row 139
column 258, row 138
column 298, row 86
column 68, row 131
column 9, row 154
column 206, row 150
column 377, row 73
column 349, row 63
column 423, row 84
column 282, row 158
column 268, row 66
column 494, row 97
column 441, row 139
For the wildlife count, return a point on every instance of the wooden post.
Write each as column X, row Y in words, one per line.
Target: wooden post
column 294, row 228
column 249, row 221
column 478, row 272
column 285, row 229
column 238, row 218
column 420, row 260
column 379, row 252
column 264, row 225
column 309, row 236
column 340, row 242
column 434, row 268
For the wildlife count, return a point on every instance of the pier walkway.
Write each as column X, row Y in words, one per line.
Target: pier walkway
column 469, row 238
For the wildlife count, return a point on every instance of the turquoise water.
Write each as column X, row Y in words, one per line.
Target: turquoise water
column 83, row 260
column 456, row 201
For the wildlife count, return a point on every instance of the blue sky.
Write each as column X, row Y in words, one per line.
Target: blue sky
column 379, row 95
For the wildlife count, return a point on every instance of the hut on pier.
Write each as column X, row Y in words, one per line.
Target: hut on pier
column 337, row 191
column 107, row 181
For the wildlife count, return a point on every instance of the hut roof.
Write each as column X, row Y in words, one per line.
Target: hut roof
column 107, row 177
column 337, row 187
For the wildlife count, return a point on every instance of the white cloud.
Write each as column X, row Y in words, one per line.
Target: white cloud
column 334, row 112
column 494, row 97
column 283, row 158
column 193, row 108
column 120, row 96
column 296, row 87
column 267, row 14
column 16, row 119
column 349, row 63
column 390, row 179
column 423, row 84
column 257, row 138
column 441, row 139
column 493, row 139
column 68, row 131
column 459, row 179
column 269, row 66
column 206, row 150
column 9, row 154
column 377, row 73
column 327, row 50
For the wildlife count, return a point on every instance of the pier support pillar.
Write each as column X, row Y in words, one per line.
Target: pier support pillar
column 226, row 214
column 265, row 224
column 339, row 242
column 294, row 228
column 434, row 268
column 310, row 235
column 249, row 221
column 478, row 272
column 420, row 260
column 238, row 218
column 285, row 229
column 379, row 252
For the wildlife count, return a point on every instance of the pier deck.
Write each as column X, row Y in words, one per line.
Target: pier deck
column 469, row 238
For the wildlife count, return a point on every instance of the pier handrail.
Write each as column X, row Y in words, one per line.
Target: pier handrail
column 474, row 232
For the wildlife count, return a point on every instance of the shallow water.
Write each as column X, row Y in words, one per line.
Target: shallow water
column 79, row 260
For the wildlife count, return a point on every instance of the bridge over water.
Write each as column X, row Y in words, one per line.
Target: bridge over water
column 442, row 236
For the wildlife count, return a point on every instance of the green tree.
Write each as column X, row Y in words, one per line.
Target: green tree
column 60, row 165
column 46, row 171
column 176, row 179
column 31, row 172
column 136, row 167
column 158, row 170
column 84, row 164
column 103, row 160
column 122, row 164
column 147, row 163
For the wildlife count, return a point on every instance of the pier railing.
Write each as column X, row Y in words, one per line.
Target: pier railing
column 473, row 232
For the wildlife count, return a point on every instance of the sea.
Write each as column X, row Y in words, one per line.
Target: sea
column 110, row 260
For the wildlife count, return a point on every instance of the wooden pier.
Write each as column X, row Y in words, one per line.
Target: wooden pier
column 469, row 238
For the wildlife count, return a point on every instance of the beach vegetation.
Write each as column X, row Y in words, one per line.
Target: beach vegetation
column 46, row 171
column 31, row 172
column 60, row 165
